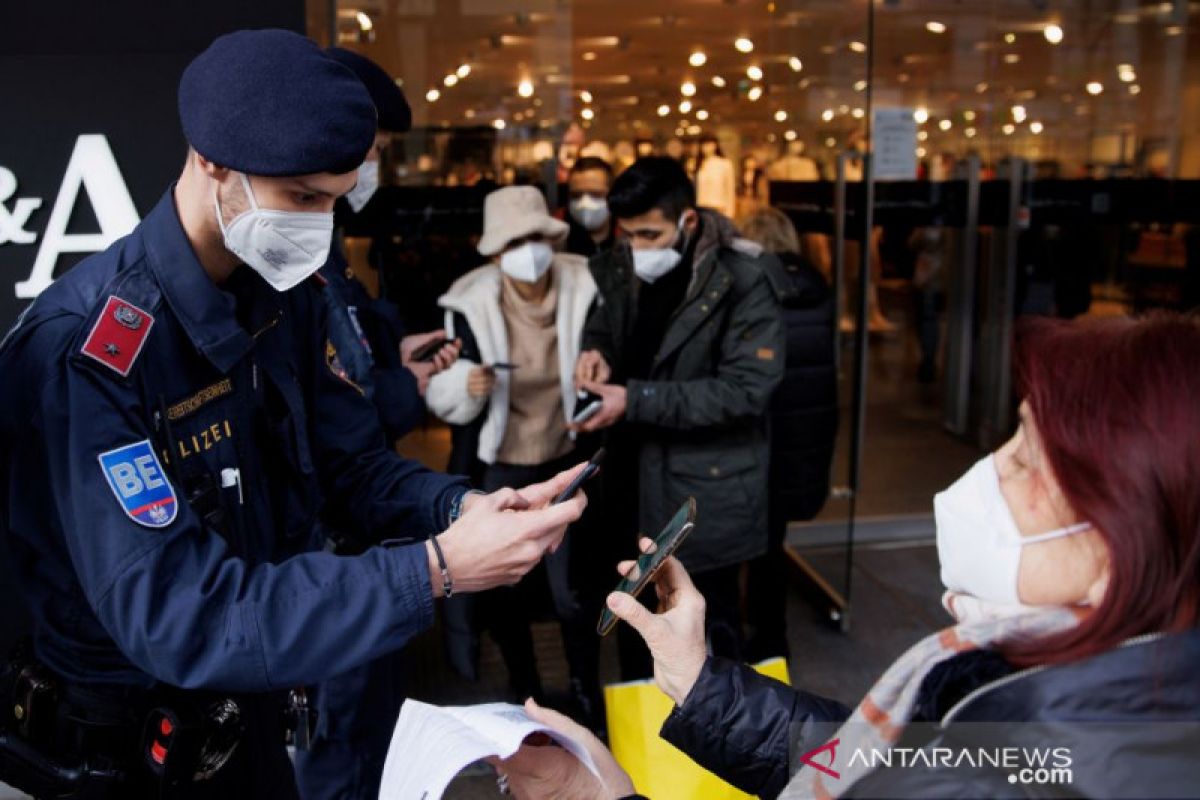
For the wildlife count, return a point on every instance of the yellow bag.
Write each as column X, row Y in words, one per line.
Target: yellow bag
column 636, row 711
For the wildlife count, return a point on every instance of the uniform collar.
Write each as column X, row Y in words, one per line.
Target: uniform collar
column 205, row 312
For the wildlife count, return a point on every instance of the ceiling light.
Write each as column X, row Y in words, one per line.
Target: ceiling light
column 687, row 89
column 945, row 124
column 795, row 64
column 718, row 81
column 1126, row 73
column 587, row 113
column 693, row 130
column 1008, row 128
column 697, row 59
column 450, row 79
column 588, row 56
column 754, row 93
column 789, row 135
column 685, row 107
column 463, row 71
column 469, row 113
column 432, row 95
column 498, row 124
column 969, row 133
column 921, row 115
column 858, row 113
column 364, row 21
column 1095, row 87
column 827, row 114
column 1036, row 127
column 981, row 87
column 525, row 88
column 1010, row 38
column 781, row 116
column 744, row 45
column 922, row 135
column 1053, row 33
column 1011, row 58
column 702, row 115
column 831, row 142
column 969, row 115
column 920, row 152
column 933, row 26
column 663, row 110
column 1173, row 30
column 585, row 96
column 860, row 86
column 1018, row 113
column 1135, row 89
column 754, row 72
column 858, row 47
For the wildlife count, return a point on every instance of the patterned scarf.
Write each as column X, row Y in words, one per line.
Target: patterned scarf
column 878, row 721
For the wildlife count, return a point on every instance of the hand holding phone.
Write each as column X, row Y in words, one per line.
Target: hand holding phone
column 643, row 571
column 592, row 467
column 586, row 405
column 427, row 351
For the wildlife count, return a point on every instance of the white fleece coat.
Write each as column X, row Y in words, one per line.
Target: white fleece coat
column 476, row 296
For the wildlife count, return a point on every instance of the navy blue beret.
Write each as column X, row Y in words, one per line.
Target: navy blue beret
column 390, row 103
column 269, row 102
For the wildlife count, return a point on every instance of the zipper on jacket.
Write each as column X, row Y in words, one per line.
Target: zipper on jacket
column 1007, row 679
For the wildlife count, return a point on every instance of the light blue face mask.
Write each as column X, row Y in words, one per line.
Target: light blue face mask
column 978, row 542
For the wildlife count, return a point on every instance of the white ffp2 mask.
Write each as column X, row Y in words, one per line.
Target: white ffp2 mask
column 284, row 247
column 978, row 542
column 650, row 264
column 527, row 263
column 364, row 190
column 590, row 211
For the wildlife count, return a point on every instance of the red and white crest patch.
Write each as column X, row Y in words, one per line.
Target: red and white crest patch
column 118, row 335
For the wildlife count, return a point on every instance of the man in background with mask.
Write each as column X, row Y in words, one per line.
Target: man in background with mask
column 173, row 417
column 685, row 346
column 356, row 710
column 587, row 209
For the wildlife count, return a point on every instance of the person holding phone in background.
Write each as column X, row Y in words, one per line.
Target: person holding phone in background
column 509, row 398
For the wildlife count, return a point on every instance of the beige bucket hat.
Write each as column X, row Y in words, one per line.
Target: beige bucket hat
column 515, row 212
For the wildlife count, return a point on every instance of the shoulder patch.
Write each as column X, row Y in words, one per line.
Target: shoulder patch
column 137, row 479
column 118, row 335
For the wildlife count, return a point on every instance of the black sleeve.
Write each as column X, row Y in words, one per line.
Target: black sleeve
column 743, row 726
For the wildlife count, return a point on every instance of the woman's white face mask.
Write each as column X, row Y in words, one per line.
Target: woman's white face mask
column 364, row 190
column 978, row 542
column 284, row 247
column 527, row 263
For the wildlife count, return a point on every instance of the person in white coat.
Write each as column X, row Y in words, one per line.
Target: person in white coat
column 509, row 398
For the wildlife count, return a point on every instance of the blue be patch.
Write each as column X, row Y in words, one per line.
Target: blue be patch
column 137, row 479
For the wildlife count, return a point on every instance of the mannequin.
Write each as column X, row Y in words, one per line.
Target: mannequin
column 716, row 185
column 794, row 165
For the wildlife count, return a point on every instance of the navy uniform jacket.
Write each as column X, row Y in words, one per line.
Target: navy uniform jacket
column 366, row 333
column 166, row 447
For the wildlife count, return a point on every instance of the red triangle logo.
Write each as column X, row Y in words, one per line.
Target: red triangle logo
column 809, row 758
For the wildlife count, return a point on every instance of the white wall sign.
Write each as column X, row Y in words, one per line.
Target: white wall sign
column 894, row 135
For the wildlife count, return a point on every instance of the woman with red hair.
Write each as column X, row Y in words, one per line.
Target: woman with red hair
column 1071, row 559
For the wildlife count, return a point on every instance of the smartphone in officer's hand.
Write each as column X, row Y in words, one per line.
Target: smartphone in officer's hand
column 648, row 564
column 427, row 351
column 586, row 405
column 593, row 466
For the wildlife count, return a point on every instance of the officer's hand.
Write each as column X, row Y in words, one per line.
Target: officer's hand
column 591, row 368
column 441, row 361
column 481, row 381
column 503, row 535
column 610, row 413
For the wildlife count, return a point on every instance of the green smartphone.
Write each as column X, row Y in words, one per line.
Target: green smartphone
column 648, row 564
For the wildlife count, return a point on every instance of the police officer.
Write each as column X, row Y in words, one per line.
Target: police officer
column 172, row 417
column 357, row 709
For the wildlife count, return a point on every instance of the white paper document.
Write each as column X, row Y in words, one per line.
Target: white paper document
column 432, row 744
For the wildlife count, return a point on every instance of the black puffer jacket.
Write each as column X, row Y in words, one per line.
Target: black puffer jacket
column 804, row 411
column 1129, row 719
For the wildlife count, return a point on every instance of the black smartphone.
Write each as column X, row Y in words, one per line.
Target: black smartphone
column 648, row 564
column 426, row 352
column 593, row 466
column 586, row 405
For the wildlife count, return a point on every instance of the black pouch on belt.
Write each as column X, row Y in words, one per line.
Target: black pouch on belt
column 191, row 741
